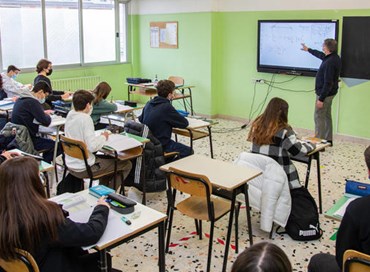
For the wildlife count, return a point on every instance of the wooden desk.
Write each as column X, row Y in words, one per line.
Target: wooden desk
column 223, row 175
column 117, row 232
column 149, row 90
column 313, row 155
column 194, row 132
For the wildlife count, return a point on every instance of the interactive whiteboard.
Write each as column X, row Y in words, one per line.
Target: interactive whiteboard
column 279, row 45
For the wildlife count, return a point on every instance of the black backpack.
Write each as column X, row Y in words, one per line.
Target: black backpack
column 303, row 222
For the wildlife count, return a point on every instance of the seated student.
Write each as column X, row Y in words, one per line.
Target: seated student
column 33, row 223
column 11, row 87
column 271, row 135
column 262, row 257
column 353, row 233
column 101, row 105
column 160, row 116
column 44, row 68
column 79, row 126
column 28, row 112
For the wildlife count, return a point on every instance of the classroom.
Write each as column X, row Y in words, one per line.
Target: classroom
column 214, row 48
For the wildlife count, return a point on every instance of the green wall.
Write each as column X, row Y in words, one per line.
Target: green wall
column 217, row 53
column 115, row 75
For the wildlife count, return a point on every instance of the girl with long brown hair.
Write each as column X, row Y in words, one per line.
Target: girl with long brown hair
column 31, row 222
column 271, row 135
column 101, row 105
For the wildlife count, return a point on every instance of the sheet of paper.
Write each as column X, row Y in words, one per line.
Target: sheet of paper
column 340, row 212
column 120, row 142
column 154, row 37
column 195, row 123
column 171, row 33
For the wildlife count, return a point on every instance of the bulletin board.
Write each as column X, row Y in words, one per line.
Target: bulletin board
column 163, row 35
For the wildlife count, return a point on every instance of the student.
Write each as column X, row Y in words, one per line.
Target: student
column 353, row 233
column 28, row 112
column 11, row 87
column 101, row 105
column 271, row 135
column 326, row 87
column 79, row 126
column 160, row 116
column 262, row 257
column 33, row 223
column 44, row 68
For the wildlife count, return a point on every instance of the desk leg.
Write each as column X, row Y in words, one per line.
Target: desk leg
column 55, row 154
column 229, row 229
column 103, row 261
column 317, row 157
column 183, row 100
column 191, row 102
column 129, row 90
column 161, row 252
column 210, row 140
column 248, row 210
column 308, row 171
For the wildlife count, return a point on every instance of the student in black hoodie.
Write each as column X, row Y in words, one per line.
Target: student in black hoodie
column 160, row 116
column 353, row 233
column 28, row 112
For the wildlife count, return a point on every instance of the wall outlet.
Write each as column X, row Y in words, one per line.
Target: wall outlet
column 258, row 80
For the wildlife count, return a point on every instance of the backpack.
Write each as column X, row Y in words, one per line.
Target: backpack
column 303, row 222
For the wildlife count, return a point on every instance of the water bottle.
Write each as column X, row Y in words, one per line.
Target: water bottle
column 156, row 79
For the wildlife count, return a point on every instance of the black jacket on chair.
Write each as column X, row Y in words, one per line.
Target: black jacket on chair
column 153, row 152
column 65, row 254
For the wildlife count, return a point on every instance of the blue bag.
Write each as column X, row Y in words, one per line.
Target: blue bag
column 357, row 188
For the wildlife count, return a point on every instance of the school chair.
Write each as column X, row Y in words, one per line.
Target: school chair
column 77, row 149
column 200, row 205
column 355, row 261
column 24, row 263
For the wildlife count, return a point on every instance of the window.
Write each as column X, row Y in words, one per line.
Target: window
column 62, row 32
column 99, row 31
column 68, row 32
column 21, row 35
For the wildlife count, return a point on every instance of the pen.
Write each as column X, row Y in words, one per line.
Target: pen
column 124, row 219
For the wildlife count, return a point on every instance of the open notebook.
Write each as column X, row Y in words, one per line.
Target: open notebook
column 120, row 142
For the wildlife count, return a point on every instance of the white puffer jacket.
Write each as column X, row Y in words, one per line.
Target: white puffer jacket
column 268, row 193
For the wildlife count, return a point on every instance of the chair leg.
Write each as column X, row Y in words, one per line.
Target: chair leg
column 200, row 230
column 196, row 226
column 210, row 246
column 122, row 190
column 237, row 210
column 169, row 228
column 272, row 231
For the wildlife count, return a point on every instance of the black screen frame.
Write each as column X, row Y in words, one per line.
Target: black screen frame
column 299, row 71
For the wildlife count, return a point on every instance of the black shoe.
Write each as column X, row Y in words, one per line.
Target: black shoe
column 331, row 143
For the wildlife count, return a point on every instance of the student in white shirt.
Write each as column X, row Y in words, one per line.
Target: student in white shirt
column 80, row 126
column 11, row 87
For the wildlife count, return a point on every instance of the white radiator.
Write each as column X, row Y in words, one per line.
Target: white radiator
column 75, row 83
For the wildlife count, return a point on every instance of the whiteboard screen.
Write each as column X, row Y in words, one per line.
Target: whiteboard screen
column 279, row 45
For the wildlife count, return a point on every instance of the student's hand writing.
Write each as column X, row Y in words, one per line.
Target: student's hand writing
column 48, row 112
column 106, row 135
column 9, row 155
column 101, row 201
column 66, row 95
column 304, row 47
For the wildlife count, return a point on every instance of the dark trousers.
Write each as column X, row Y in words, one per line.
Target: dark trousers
column 173, row 146
column 323, row 262
column 47, row 146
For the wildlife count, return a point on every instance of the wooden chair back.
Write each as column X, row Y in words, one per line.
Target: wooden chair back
column 190, row 183
column 74, row 148
column 355, row 261
column 24, row 263
column 177, row 80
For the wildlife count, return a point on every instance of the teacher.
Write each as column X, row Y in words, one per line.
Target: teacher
column 326, row 87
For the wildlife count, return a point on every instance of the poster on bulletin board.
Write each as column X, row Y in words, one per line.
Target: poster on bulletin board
column 163, row 35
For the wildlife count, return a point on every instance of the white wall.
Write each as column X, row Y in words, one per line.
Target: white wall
column 185, row 6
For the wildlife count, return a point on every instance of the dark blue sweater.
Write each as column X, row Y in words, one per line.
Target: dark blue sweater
column 328, row 74
column 160, row 116
column 26, row 111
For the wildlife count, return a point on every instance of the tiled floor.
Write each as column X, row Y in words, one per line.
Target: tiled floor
column 344, row 160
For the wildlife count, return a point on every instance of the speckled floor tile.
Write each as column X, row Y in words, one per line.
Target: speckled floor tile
column 344, row 160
